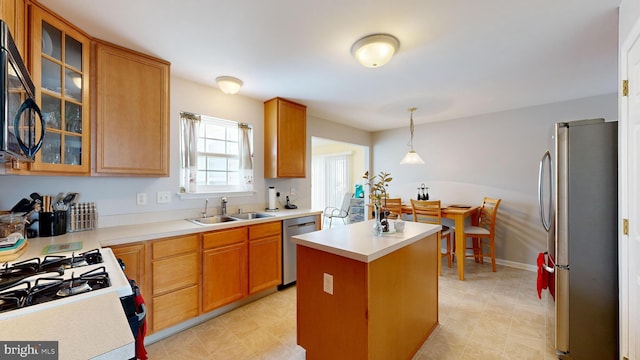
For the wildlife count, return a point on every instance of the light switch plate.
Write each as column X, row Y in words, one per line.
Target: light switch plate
column 328, row 283
column 141, row 199
column 163, row 197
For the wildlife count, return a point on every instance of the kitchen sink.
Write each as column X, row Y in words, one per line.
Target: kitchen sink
column 250, row 215
column 217, row 219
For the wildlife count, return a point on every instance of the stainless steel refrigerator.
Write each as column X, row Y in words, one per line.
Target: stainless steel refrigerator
column 582, row 203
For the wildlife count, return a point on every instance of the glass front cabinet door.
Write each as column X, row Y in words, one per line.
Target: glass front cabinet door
column 60, row 70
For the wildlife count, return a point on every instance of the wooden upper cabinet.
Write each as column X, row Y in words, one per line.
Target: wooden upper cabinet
column 130, row 99
column 285, row 139
column 59, row 66
column 13, row 13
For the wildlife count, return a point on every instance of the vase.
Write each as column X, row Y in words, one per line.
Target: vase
column 384, row 220
column 377, row 225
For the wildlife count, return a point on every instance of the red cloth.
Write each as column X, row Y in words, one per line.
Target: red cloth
column 141, row 352
column 552, row 277
column 543, row 276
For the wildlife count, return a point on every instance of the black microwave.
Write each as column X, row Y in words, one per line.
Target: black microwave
column 20, row 138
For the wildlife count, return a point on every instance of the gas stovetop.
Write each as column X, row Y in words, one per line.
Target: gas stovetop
column 38, row 283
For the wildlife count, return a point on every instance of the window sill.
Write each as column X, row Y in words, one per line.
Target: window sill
column 205, row 195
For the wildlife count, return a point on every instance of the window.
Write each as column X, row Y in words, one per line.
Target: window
column 221, row 160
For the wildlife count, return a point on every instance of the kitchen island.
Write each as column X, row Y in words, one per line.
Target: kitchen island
column 365, row 297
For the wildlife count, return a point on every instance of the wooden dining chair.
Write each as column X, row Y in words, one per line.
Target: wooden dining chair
column 394, row 206
column 430, row 212
column 484, row 233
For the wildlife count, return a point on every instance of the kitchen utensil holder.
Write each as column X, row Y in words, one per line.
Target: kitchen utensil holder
column 52, row 223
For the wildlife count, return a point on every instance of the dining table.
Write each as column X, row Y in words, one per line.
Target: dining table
column 459, row 214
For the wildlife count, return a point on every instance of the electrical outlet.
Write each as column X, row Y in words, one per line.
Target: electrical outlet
column 163, row 197
column 141, row 199
column 328, row 283
column 293, row 191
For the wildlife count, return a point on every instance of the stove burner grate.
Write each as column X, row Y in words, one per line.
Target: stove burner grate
column 46, row 289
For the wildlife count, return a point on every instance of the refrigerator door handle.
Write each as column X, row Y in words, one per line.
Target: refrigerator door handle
column 545, row 212
column 550, row 269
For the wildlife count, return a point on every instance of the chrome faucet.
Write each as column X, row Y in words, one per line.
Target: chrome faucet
column 206, row 204
column 224, row 206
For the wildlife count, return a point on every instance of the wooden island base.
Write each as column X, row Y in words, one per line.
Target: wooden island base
column 383, row 309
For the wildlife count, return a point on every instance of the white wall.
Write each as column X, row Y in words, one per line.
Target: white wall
column 494, row 155
column 629, row 13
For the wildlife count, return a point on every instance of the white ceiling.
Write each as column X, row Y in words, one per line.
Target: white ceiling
column 457, row 58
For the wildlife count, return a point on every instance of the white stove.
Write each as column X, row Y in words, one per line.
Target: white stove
column 59, row 279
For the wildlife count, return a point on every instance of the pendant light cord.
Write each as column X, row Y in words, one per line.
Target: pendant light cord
column 411, row 127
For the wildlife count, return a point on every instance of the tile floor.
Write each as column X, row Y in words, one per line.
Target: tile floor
column 487, row 316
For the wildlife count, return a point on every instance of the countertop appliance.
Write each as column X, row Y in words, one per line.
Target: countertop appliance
column 584, row 249
column 293, row 227
column 18, row 109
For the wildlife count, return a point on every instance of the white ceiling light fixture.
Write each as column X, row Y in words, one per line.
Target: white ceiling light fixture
column 412, row 157
column 375, row 50
column 229, row 84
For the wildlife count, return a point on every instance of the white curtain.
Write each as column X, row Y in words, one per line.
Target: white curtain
column 331, row 179
column 189, row 127
column 246, row 156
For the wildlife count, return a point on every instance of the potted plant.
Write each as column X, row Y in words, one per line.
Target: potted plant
column 378, row 185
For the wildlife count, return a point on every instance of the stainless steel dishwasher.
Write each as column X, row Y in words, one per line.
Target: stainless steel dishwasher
column 293, row 227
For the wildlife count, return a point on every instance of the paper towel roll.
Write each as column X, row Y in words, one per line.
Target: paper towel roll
column 272, row 198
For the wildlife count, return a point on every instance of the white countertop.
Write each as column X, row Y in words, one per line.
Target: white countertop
column 356, row 241
column 96, row 330
column 118, row 235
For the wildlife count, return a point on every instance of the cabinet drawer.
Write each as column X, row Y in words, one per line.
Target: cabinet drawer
column 175, row 273
column 175, row 307
column 224, row 237
column 174, row 246
column 263, row 230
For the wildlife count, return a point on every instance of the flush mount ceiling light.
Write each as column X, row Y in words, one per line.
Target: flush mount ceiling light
column 229, row 84
column 375, row 50
column 412, row 157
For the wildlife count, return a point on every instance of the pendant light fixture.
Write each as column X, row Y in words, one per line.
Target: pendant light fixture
column 375, row 50
column 229, row 84
column 412, row 157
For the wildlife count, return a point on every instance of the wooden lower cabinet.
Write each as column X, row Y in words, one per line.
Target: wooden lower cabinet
column 224, row 267
column 182, row 277
column 240, row 262
column 175, row 307
column 265, row 256
column 224, row 279
column 175, row 280
column 133, row 257
column 175, row 273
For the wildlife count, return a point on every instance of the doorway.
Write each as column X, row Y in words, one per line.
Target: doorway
column 336, row 168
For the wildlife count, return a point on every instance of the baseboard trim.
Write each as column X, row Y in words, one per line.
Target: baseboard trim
column 517, row 265
column 508, row 263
